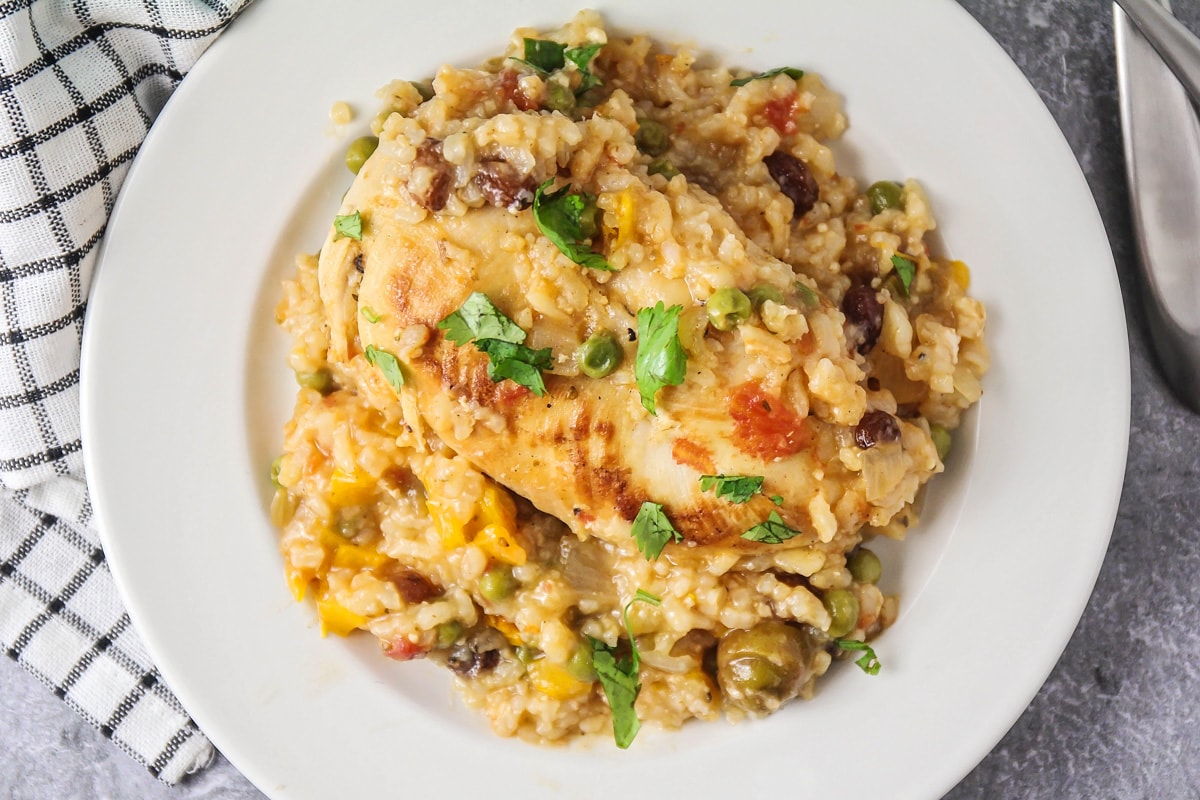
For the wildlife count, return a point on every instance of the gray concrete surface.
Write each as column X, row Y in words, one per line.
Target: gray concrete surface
column 1117, row 717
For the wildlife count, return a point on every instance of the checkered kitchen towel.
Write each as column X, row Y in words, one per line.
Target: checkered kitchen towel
column 80, row 83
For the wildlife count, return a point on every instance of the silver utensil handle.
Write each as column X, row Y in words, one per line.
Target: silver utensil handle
column 1177, row 46
column 1162, row 160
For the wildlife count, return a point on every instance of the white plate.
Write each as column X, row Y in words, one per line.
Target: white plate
column 185, row 391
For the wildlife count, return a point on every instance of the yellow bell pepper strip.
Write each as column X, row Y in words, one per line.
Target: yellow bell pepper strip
column 350, row 488
column 555, row 680
column 336, row 618
column 494, row 527
column 961, row 274
column 449, row 528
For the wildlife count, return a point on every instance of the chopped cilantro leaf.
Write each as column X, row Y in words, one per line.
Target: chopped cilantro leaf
column 619, row 679
column 791, row 72
column 869, row 662
column 543, row 55
column 479, row 321
column 773, row 531
column 369, row 315
column 645, row 597
column 619, row 676
column 906, row 270
column 516, row 362
column 640, row 596
column 652, row 530
column 660, row 358
column 777, row 499
column 386, row 363
column 582, row 57
column 734, row 488
column 809, row 297
column 348, row 226
column 478, row 318
column 562, row 218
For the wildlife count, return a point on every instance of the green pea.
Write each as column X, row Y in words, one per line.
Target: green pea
column 600, row 354
column 842, row 605
column 275, row 467
column 662, row 167
column 497, row 583
column 941, row 440
column 728, row 308
column 762, row 293
column 651, row 137
column 448, row 633
column 320, row 379
column 359, row 151
column 580, row 664
column 884, row 195
column 526, row 654
column 865, row 566
column 559, row 98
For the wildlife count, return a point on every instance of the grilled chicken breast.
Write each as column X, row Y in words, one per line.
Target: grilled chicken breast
column 778, row 396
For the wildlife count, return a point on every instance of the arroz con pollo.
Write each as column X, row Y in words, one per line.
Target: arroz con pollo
column 608, row 377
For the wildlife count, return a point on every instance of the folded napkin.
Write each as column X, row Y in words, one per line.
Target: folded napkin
column 80, row 85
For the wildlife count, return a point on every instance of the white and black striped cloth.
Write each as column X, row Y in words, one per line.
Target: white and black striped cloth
column 80, row 84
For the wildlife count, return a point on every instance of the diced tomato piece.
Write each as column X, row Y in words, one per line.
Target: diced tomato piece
column 764, row 425
column 781, row 113
column 403, row 650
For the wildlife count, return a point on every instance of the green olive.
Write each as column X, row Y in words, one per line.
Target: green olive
column 651, row 137
column 728, row 308
column 559, row 98
column 865, row 566
column 320, row 379
column 941, row 440
column 762, row 668
column 359, row 151
column 600, row 354
column 498, row 583
column 762, row 293
column 842, row 605
column 449, row 632
column 884, row 195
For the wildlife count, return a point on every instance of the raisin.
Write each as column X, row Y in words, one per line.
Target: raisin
column 503, row 186
column 876, row 427
column 795, row 180
column 467, row 661
column 864, row 313
column 412, row 585
column 429, row 155
column 510, row 88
